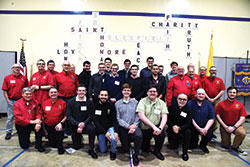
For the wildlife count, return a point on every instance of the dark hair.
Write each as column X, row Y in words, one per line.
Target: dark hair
column 134, row 66
column 126, row 85
column 155, row 65
column 52, row 87
column 86, row 62
column 152, row 86
column 150, row 57
column 231, row 88
column 50, row 61
column 103, row 90
column 173, row 62
column 126, row 60
column 40, row 60
column 161, row 66
column 107, row 58
column 81, row 85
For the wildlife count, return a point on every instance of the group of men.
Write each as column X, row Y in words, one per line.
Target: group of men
column 113, row 104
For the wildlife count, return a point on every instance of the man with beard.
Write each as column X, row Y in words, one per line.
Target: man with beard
column 203, row 119
column 129, row 121
column 214, row 87
column 157, row 80
column 179, row 125
column 96, row 82
column 51, row 67
column 27, row 120
column 195, row 81
column 85, row 75
column 152, row 112
column 12, row 91
column 53, row 112
column 41, row 82
column 104, row 118
column 231, row 115
column 179, row 84
column 78, row 115
column 137, row 83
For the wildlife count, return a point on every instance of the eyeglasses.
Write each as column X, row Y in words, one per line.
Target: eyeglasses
column 42, row 64
column 152, row 91
column 181, row 99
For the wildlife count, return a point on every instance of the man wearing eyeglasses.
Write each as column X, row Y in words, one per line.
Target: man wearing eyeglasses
column 152, row 112
column 203, row 119
column 12, row 91
column 179, row 125
column 41, row 82
column 113, row 84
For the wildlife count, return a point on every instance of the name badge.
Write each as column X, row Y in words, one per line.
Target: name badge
column 103, row 80
column 48, row 108
column 117, row 83
column 83, row 108
column 12, row 81
column 183, row 114
column 98, row 112
column 157, row 112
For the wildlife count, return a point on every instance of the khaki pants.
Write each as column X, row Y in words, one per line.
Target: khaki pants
column 240, row 134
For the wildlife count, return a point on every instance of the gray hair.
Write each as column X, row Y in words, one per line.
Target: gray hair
column 26, row 89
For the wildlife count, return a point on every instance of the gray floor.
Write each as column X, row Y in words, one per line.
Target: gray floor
column 12, row 155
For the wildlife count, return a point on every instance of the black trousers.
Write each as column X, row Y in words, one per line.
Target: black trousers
column 77, row 137
column 148, row 135
column 24, row 136
column 55, row 137
column 204, row 139
column 126, row 138
column 175, row 139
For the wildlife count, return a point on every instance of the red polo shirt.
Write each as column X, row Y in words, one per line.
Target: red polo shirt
column 53, row 72
column 203, row 81
column 66, row 84
column 214, row 86
column 230, row 111
column 195, row 81
column 25, row 111
column 41, row 79
column 14, row 85
column 176, row 85
column 53, row 113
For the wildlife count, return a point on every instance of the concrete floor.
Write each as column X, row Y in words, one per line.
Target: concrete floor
column 12, row 155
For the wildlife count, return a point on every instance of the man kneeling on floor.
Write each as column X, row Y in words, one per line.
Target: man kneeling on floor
column 53, row 112
column 231, row 115
column 78, row 115
column 27, row 120
column 153, row 114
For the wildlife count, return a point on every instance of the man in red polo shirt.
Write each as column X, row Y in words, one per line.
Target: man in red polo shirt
column 53, row 112
column 41, row 82
column 194, row 77
column 66, row 82
column 179, row 84
column 27, row 120
column 12, row 91
column 214, row 87
column 203, row 76
column 51, row 66
column 231, row 115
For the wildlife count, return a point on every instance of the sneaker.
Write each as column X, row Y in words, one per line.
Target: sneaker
column 136, row 160
column 8, row 136
column 112, row 156
column 239, row 150
column 92, row 154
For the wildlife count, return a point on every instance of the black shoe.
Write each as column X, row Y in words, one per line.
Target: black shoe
column 136, row 160
column 40, row 149
column 214, row 136
column 159, row 155
column 61, row 151
column 204, row 149
column 92, row 154
column 112, row 156
column 8, row 136
column 185, row 157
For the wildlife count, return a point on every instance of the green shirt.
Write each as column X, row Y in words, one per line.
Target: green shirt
column 152, row 111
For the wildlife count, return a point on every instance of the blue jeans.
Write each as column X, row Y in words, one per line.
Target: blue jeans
column 103, row 141
column 10, row 120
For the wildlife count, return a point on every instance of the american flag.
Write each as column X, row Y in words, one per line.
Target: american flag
column 22, row 62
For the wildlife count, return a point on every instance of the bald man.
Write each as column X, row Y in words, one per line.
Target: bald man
column 203, row 119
